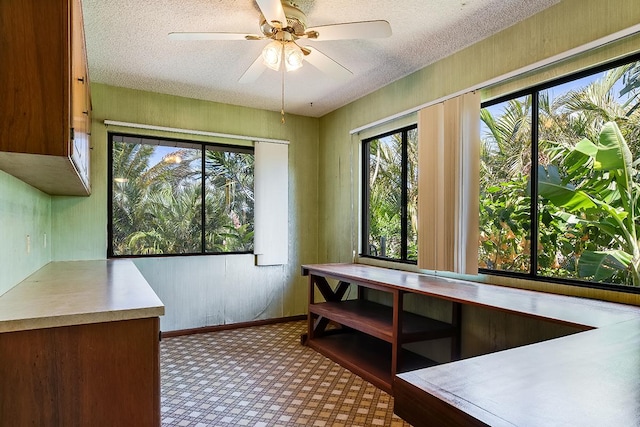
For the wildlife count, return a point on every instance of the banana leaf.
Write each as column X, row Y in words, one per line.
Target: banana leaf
column 614, row 154
column 550, row 187
column 601, row 265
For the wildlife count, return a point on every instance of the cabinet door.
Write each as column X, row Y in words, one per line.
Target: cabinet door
column 33, row 104
column 80, row 98
column 99, row 374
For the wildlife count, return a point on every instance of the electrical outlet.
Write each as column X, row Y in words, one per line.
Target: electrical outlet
column 28, row 244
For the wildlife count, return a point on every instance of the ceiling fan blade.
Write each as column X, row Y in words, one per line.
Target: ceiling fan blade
column 327, row 65
column 210, row 36
column 351, row 30
column 254, row 71
column 273, row 12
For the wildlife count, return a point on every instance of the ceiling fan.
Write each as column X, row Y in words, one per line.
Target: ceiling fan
column 285, row 24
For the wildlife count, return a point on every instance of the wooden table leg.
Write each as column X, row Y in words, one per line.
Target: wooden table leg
column 318, row 325
column 456, row 321
column 396, row 345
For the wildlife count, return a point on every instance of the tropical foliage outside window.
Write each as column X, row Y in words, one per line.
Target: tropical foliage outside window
column 390, row 195
column 158, row 205
column 578, row 141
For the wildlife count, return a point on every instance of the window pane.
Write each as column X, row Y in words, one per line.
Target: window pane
column 412, row 194
column 586, row 210
column 156, row 198
column 504, row 198
column 229, row 201
column 385, row 196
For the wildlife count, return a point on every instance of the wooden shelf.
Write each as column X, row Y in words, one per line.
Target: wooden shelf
column 367, row 337
column 377, row 320
column 366, row 356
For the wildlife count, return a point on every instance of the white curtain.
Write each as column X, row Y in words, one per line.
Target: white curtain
column 271, row 203
column 448, row 185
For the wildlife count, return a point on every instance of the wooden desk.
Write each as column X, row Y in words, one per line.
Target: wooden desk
column 589, row 378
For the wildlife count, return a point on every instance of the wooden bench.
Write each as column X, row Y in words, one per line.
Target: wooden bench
column 589, row 378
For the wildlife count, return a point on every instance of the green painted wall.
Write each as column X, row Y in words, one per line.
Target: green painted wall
column 202, row 290
column 570, row 24
column 24, row 211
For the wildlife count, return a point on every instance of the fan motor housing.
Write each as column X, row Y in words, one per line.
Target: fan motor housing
column 296, row 22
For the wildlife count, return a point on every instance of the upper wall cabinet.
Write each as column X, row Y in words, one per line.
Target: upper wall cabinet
column 45, row 103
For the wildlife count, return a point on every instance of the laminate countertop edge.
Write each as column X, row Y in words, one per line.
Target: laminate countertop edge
column 67, row 293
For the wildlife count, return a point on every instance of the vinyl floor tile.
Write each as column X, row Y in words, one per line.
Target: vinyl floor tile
column 262, row 377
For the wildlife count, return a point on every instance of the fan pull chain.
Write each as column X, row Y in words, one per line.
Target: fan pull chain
column 283, row 71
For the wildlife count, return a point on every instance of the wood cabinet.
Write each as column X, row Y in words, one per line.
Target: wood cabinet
column 79, row 346
column 45, row 102
column 367, row 337
column 100, row 374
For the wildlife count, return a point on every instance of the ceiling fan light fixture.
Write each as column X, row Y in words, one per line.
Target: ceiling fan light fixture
column 272, row 55
column 293, row 56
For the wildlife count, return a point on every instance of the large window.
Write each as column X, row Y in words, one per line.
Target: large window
column 158, row 204
column 390, row 195
column 559, row 180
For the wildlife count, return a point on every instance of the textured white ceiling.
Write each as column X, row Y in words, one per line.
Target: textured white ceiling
column 127, row 46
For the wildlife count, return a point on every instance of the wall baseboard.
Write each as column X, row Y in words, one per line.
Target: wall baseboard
column 239, row 325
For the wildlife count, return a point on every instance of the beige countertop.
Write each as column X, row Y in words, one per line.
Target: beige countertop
column 78, row 292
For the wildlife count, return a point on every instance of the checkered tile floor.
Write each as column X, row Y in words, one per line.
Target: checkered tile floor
column 263, row 376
